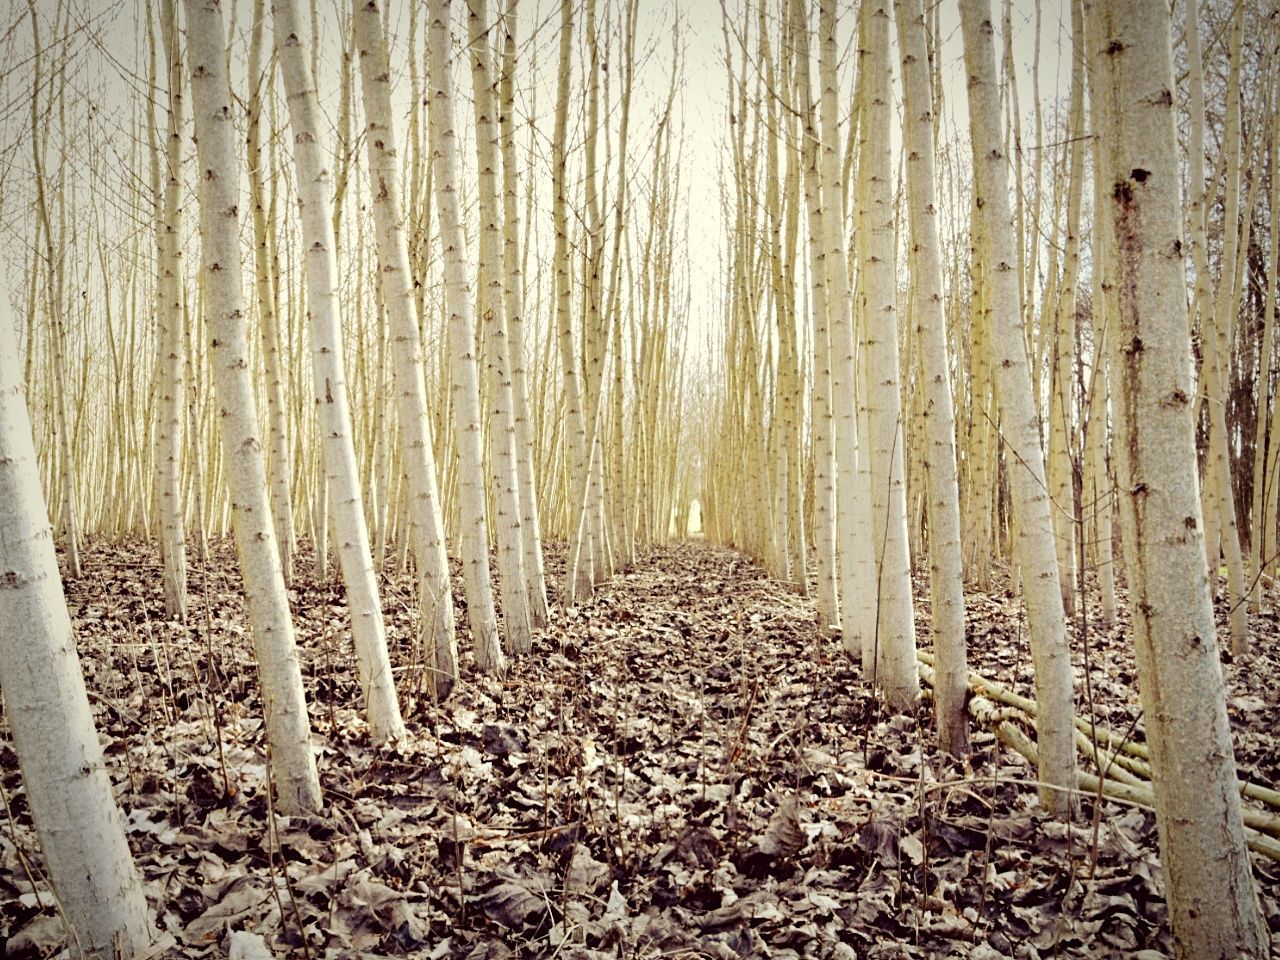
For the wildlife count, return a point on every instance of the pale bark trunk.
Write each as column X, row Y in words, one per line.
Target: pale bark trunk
column 69, row 792
column 288, row 728
column 171, row 385
column 824, row 466
column 855, row 550
column 264, row 242
column 1033, row 525
column 1212, row 904
column 895, row 635
column 1219, row 357
column 419, row 463
column 492, row 307
column 1265, row 523
column 946, row 567
column 530, row 521
column 315, row 203
column 69, row 514
column 1062, row 427
column 465, row 386
column 579, row 584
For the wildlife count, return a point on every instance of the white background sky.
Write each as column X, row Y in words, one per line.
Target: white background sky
column 110, row 45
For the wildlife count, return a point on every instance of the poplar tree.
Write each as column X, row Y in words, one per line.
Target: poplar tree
column 68, row 790
column 170, row 361
column 293, row 764
column 426, row 521
column 329, row 378
column 1034, row 550
column 1208, row 885
column 894, row 627
column 491, row 304
column 465, row 383
column 946, row 572
column 513, row 291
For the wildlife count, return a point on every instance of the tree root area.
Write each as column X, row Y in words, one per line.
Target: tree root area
column 681, row 768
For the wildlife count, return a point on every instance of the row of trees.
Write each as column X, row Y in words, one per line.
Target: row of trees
column 1029, row 374
column 430, row 412
column 120, row 385
column 863, row 419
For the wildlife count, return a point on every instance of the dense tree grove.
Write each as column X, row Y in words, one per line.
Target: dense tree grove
column 517, row 301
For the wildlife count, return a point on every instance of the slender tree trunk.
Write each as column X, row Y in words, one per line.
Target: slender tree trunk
column 1062, row 427
column 580, row 582
column 878, row 348
column 946, row 567
column 419, row 462
column 1258, row 517
column 1212, row 903
column 55, row 306
column 465, row 387
column 264, row 242
column 513, row 288
column 857, row 575
column 1033, row 525
column 315, row 204
column 288, row 728
column 492, row 307
column 1266, row 524
column 170, row 362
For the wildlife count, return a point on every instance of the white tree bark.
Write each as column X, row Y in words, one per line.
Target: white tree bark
column 425, row 517
column 288, row 727
column 315, row 203
column 1033, row 525
column 492, row 306
column 80, row 828
column 170, row 362
column 1216, row 318
column 580, row 582
column 824, row 466
column 264, row 245
column 1209, row 888
column 513, row 288
column 55, row 305
column 855, row 549
column 946, row 564
column 895, row 637
column 465, row 386
column 1062, row 425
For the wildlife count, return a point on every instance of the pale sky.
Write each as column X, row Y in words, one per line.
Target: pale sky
column 110, row 68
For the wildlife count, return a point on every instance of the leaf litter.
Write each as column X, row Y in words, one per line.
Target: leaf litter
column 683, row 767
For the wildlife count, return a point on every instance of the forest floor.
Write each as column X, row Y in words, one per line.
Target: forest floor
column 682, row 768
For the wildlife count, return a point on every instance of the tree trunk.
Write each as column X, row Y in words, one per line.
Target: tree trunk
column 465, row 387
column 895, row 637
column 856, row 554
column 419, row 462
column 1209, row 889
column 946, row 567
column 513, row 288
column 68, row 789
column 170, row 363
column 1033, row 525
column 492, row 307
column 264, row 243
column 351, row 532
column 580, row 582
column 288, row 727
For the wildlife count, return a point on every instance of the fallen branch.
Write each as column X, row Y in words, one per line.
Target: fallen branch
column 1125, row 751
column 1257, row 824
